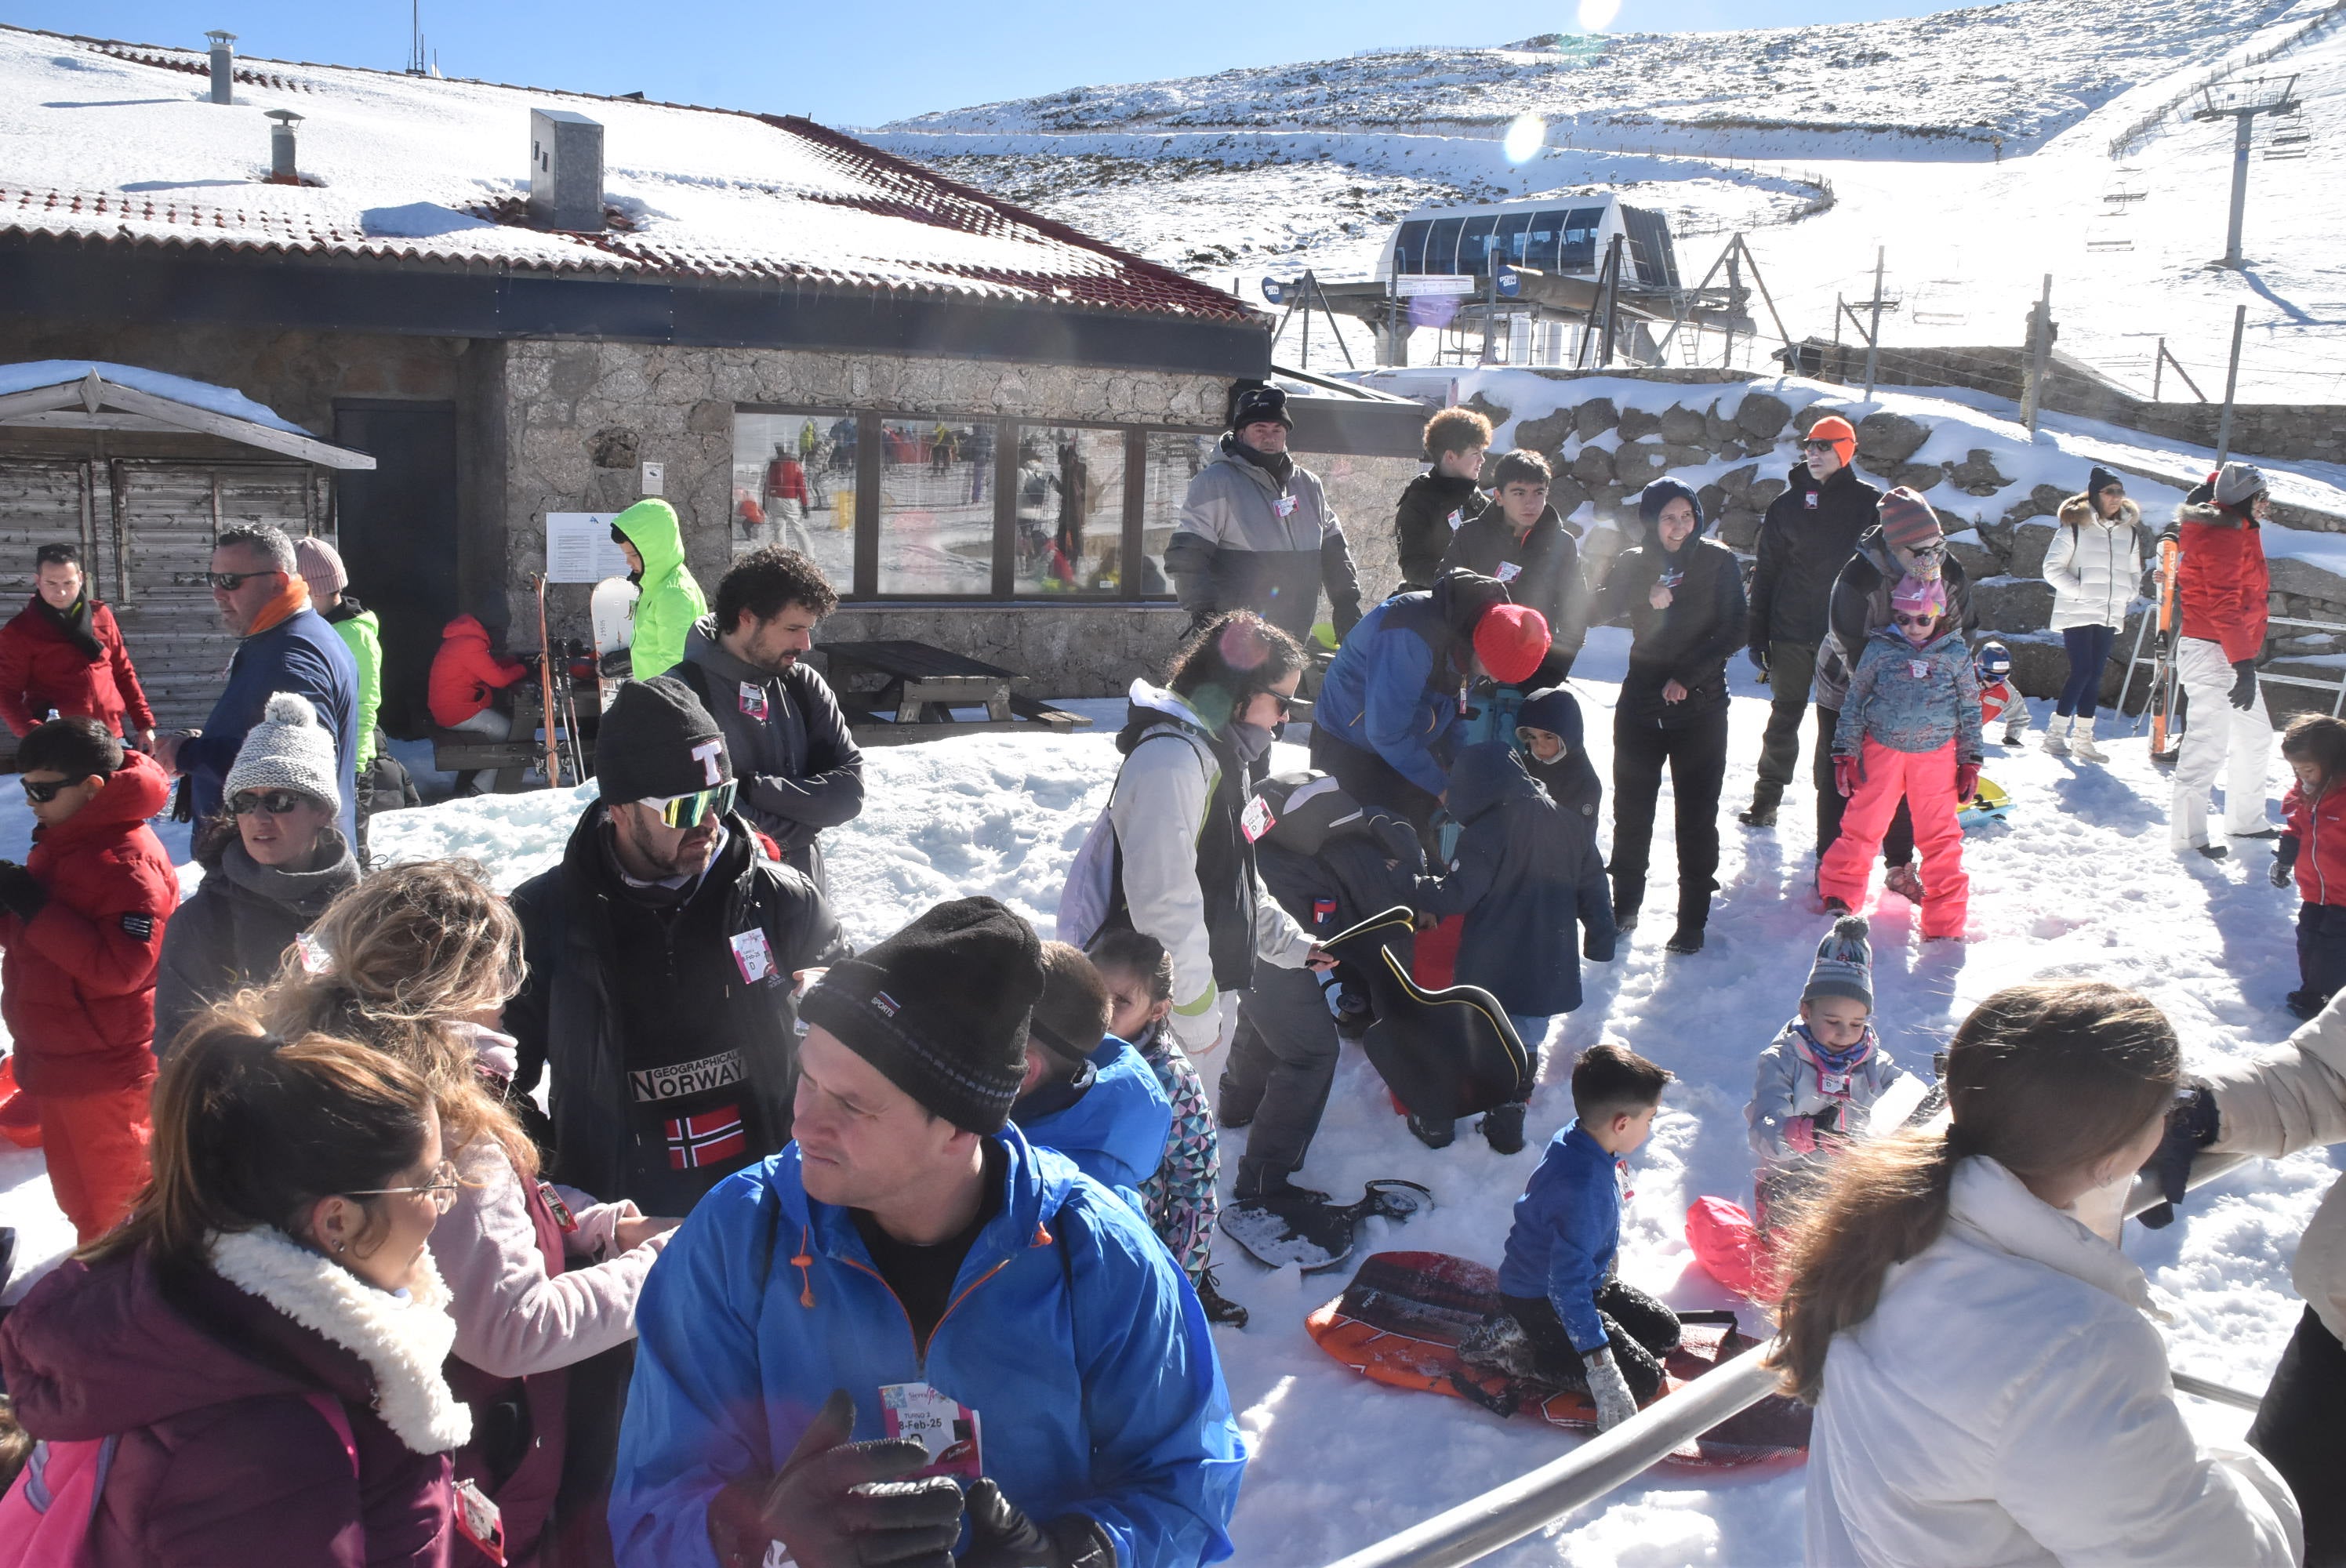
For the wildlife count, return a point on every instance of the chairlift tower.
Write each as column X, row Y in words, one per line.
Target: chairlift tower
column 2242, row 102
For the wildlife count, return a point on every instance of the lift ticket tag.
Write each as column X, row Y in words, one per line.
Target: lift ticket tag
column 940, row 1424
column 753, row 700
column 753, row 956
column 1256, row 820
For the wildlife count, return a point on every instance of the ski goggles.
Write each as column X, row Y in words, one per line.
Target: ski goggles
column 691, row 810
column 269, row 802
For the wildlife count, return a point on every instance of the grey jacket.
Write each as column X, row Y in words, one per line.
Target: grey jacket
column 799, row 769
column 233, row 931
column 1236, row 549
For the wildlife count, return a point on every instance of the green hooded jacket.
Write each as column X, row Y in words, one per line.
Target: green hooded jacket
column 670, row 600
column 361, row 630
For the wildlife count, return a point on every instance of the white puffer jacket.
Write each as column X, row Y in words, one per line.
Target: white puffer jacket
column 2294, row 1097
column 2094, row 566
column 2009, row 1403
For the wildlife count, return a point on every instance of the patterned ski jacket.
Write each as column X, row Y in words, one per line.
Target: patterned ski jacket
column 1912, row 699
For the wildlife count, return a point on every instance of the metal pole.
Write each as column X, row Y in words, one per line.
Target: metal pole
column 2157, row 369
column 1873, row 337
column 2040, row 354
column 1734, row 299
column 1490, row 311
column 1306, row 292
column 2243, row 123
column 2232, row 382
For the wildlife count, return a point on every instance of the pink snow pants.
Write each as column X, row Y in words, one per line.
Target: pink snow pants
column 1926, row 782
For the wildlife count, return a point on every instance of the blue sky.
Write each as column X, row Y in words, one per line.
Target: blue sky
column 854, row 63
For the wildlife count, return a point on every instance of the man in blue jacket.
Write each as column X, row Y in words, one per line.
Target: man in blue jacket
column 911, row 1272
column 285, row 646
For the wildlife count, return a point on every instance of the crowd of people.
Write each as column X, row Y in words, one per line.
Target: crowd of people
column 638, row 1217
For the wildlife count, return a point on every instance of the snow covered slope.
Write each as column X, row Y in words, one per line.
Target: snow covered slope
column 2080, row 882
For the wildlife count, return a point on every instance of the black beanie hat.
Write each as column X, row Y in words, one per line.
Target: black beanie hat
column 1257, row 404
column 942, row 1008
column 2102, row 479
column 657, row 741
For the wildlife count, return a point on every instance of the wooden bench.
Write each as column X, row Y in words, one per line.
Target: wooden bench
column 897, row 692
column 460, row 752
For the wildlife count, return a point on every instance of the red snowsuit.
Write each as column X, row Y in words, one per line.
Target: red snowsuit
column 1996, row 697
column 78, row 991
column 41, row 668
column 464, row 672
column 2223, row 580
column 2319, row 828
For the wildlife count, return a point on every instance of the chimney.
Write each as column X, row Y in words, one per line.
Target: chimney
column 281, row 167
column 566, row 172
column 223, row 66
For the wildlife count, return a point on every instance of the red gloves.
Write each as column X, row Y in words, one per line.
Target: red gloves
column 1849, row 772
column 1967, row 780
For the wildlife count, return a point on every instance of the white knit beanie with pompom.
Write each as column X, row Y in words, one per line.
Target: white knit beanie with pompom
column 288, row 750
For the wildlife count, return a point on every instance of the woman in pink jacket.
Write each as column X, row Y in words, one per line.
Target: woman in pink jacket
column 418, row 961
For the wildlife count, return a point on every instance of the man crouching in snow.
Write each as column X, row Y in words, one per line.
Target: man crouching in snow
column 911, row 1272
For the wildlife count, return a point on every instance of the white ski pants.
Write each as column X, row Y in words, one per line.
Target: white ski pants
column 2216, row 730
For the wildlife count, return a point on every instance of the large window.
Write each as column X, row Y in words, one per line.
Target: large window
column 1580, row 240
column 1070, row 511
column 936, row 508
column 794, row 484
column 1175, row 458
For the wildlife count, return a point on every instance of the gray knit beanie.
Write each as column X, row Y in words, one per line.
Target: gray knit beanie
column 1844, row 965
column 288, row 750
column 2239, row 484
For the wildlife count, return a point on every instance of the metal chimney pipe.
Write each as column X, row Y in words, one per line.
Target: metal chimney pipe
column 223, row 66
column 281, row 168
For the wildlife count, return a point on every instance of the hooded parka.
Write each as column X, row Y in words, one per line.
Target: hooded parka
column 668, row 599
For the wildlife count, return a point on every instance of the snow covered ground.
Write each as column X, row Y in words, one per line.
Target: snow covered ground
column 2079, row 882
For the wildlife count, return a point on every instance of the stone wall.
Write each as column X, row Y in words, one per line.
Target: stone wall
column 1063, row 650
column 1363, row 490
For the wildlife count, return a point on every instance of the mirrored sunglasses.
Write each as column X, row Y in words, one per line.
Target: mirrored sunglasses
column 691, row 810
column 268, row 802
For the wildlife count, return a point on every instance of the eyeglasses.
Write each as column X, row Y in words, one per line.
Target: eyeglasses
column 268, row 802
column 41, row 793
column 1906, row 620
column 229, row 582
column 442, row 1188
column 689, row 810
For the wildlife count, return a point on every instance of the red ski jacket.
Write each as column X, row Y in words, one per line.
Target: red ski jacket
column 77, row 983
column 2223, row 580
column 2319, row 828
column 463, row 672
column 42, row 668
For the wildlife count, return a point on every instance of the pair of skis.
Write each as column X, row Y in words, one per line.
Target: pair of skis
column 2163, row 678
column 614, row 615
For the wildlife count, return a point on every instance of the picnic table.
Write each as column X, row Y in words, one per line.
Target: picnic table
column 894, row 692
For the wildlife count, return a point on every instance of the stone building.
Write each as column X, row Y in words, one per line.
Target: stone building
column 530, row 306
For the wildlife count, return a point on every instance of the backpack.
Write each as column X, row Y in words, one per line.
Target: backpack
column 45, row 1518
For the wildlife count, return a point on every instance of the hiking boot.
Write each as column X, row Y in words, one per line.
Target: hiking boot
column 1686, row 938
column 1503, row 1128
column 1906, row 881
column 1434, row 1133
column 1760, row 813
column 1219, row 1308
column 1831, row 906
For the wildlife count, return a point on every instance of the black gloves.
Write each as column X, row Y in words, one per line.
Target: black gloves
column 2191, row 1126
column 1002, row 1536
column 1759, row 652
column 1343, row 614
column 2284, row 860
column 2244, row 684
column 835, row 1506
column 19, row 893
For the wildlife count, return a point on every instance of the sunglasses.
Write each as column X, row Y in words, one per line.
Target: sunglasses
column 41, row 793
column 442, row 1188
column 1286, row 703
column 690, row 811
column 229, row 582
column 1819, row 446
column 268, row 802
column 1906, row 620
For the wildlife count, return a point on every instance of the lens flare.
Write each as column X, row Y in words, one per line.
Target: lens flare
column 1524, row 137
column 1595, row 16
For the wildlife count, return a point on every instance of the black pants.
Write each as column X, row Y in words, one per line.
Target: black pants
column 1791, row 671
column 1281, row 1062
column 2320, row 956
column 1641, row 1329
column 2089, row 651
column 1370, row 779
column 1697, row 756
column 2297, row 1428
column 1897, row 845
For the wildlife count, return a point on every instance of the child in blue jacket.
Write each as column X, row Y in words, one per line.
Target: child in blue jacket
column 1584, row 1326
column 1527, row 879
column 1087, row 1093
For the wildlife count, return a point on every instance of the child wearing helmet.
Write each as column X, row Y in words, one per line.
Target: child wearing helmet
column 2000, row 702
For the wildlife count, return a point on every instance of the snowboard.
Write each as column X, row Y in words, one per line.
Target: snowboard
column 614, row 615
column 1313, row 1235
column 1991, row 804
column 1405, row 1314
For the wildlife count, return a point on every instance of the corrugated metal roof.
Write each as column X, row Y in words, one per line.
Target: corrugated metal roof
column 115, row 143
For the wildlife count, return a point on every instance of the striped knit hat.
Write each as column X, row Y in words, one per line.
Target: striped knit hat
column 1844, row 965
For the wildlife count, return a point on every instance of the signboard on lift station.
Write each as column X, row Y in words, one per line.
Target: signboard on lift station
column 1410, row 285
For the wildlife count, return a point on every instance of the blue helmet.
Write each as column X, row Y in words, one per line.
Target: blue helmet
column 1993, row 661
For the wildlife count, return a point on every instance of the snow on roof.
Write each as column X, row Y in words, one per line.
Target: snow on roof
column 119, row 142
column 31, row 373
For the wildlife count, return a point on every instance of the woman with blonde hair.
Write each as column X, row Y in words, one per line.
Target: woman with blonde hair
column 418, row 962
column 1995, row 1391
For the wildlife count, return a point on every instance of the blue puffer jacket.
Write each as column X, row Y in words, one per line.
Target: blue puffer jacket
column 1528, row 876
column 1393, row 689
column 1912, row 699
column 1568, row 1233
column 1071, row 1333
column 300, row 653
column 1115, row 1133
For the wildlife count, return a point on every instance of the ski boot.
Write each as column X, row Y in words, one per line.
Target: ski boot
column 1431, row 1131
column 1219, row 1308
column 1503, row 1128
column 2081, row 743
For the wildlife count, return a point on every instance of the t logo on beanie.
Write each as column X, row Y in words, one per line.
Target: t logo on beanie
column 711, row 757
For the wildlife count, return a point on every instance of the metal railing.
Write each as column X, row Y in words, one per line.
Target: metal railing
column 1507, row 1514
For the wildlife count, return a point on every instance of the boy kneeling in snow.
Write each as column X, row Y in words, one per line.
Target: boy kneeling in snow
column 1584, row 1328
column 1087, row 1093
column 1824, row 1071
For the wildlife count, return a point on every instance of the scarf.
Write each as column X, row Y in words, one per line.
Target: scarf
column 1832, row 1065
column 290, row 601
column 1280, row 465
column 75, row 623
column 1249, row 740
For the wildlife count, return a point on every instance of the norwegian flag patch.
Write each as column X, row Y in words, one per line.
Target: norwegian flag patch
column 710, row 1138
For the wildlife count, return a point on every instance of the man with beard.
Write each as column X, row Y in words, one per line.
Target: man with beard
column 801, row 772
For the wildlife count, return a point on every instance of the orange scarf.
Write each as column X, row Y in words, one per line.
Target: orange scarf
column 290, row 601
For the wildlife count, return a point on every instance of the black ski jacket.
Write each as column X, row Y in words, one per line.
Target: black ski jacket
column 1422, row 528
column 1689, row 642
column 1546, row 576
column 1808, row 537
